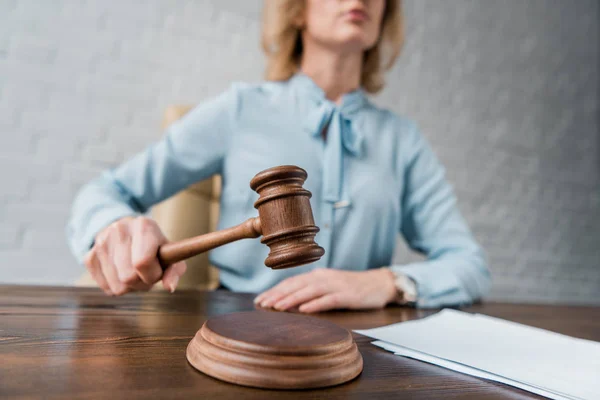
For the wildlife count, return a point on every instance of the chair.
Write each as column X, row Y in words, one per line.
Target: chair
column 191, row 212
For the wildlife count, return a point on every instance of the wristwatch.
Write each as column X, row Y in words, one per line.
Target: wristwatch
column 406, row 288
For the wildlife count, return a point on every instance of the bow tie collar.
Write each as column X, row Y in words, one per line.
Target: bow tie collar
column 335, row 118
column 344, row 136
column 324, row 113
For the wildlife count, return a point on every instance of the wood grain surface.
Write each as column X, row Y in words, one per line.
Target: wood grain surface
column 275, row 350
column 58, row 343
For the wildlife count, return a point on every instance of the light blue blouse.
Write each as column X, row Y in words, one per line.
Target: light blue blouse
column 373, row 177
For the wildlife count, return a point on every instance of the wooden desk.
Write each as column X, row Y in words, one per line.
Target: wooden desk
column 78, row 343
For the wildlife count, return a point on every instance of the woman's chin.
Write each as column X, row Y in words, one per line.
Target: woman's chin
column 355, row 39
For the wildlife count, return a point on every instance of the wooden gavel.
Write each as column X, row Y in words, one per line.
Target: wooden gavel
column 285, row 221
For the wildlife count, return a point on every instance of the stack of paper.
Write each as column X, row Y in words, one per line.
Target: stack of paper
column 532, row 359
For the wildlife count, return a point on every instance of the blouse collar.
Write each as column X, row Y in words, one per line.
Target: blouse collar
column 351, row 102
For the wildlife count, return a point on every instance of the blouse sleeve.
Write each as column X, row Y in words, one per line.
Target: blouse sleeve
column 192, row 149
column 455, row 271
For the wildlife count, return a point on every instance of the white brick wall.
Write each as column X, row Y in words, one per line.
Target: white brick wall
column 83, row 85
column 507, row 92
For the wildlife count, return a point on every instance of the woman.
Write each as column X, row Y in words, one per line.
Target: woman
column 371, row 173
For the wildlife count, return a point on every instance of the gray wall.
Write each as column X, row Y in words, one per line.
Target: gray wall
column 506, row 91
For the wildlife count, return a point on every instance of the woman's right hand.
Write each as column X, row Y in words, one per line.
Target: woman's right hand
column 124, row 257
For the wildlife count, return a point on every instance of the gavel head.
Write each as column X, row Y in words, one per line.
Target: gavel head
column 286, row 217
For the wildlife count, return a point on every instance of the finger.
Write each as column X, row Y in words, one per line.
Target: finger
column 261, row 299
column 144, row 248
column 124, row 266
column 122, row 260
column 93, row 266
column 121, row 256
column 258, row 299
column 283, row 289
column 172, row 274
column 267, row 294
column 301, row 296
column 330, row 301
column 109, row 270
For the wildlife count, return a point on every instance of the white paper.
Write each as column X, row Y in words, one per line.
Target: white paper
column 405, row 352
column 559, row 364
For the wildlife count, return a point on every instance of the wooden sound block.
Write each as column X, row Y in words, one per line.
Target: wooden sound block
column 275, row 350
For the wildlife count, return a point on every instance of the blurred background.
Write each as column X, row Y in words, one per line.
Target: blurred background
column 507, row 92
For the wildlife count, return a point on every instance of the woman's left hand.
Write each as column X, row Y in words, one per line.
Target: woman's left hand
column 327, row 289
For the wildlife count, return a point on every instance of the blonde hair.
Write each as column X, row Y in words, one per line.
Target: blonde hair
column 282, row 42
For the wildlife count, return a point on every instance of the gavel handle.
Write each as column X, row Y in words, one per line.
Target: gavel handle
column 170, row 253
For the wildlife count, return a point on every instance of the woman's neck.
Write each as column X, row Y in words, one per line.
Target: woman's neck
column 335, row 73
